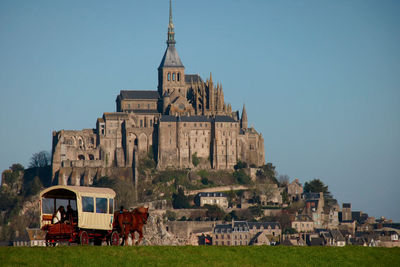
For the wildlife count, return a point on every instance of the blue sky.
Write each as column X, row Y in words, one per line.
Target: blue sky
column 320, row 79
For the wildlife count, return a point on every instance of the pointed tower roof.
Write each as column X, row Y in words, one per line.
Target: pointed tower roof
column 171, row 57
column 244, row 113
column 243, row 121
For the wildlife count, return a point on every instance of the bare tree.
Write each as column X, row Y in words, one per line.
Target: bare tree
column 283, row 180
column 265, row 191
column 40, row 159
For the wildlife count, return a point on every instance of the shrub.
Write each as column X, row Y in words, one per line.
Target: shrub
column 170, row 215
column 241, row 177
column 195, row 159
column 240, row 165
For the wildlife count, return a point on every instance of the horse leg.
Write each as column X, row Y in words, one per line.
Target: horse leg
column 140, row 236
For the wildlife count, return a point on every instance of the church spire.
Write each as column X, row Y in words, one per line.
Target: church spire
column 171, row 30
column 243, row 121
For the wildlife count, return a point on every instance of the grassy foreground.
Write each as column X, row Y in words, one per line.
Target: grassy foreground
column 199, row 256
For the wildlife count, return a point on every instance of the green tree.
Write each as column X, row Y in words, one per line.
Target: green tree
column 179, row 200
column 240, row 165
column 267, row 171
column 317, row 186
column 214, row 212
column 241, row 177
column 257, row 211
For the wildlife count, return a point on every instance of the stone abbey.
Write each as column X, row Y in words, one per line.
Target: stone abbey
column 184, row 124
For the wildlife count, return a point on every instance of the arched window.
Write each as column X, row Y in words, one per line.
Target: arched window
column 91, row 157
column 169, row 76
column 173, row 76
column 81, row 157
column 178, row 77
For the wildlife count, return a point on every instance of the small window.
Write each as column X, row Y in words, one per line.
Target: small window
column 87, row 204
column 148, row 106
column 169, row 78
column 141, row 123
column 179, row 77
column 101, row 205
column 173, row 76
column 151, row 123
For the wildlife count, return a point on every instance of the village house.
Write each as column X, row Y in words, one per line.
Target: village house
column 303, row 224
column 295, row 190
column 264, row 233
column 235, row 234
column 211, row 198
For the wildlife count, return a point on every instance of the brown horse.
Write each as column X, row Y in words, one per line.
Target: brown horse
column 130, row 222
column 140, row 216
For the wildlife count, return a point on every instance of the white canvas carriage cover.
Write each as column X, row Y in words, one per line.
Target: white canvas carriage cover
column 87, row 220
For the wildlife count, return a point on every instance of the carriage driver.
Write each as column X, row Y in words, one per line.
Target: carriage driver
column 71, row 215
column 60, row 215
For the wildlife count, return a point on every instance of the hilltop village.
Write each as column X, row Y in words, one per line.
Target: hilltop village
column 184, row 153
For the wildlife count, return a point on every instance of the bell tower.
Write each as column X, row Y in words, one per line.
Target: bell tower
column 171, row 72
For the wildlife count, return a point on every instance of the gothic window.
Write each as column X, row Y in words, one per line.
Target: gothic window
column 141, row 123
column 81, row 157
column 138, row 105
column 91, row 157
column 179, row 90
column 169, row 78
column 179, row 77
column 148, row 106
column 173, row 76
column 151, row 123
column 201, row 125
column 195, row 125
column 145, row 123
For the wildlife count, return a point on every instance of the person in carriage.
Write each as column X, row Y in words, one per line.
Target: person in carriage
column 59, row 216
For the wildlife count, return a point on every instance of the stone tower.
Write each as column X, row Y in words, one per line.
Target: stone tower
column 171, row 72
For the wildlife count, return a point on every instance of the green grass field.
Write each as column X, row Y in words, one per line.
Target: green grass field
column 199, row 256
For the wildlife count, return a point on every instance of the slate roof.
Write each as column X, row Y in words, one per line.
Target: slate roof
column 303, row 218
column 220, row 118
column 238, row 226
column 193, row 77
column 139, row 94
column 316, row 241
column 211, row 194
column 144, row 111
column 171, row 58
column 196, row 118
column 263, row 224
column 336, row 235
column 223, row 228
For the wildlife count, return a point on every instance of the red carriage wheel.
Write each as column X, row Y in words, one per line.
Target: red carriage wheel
column 84, row 238
column 114, row 239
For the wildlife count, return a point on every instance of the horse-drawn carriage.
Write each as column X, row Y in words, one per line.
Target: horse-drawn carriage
column 90, row 216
